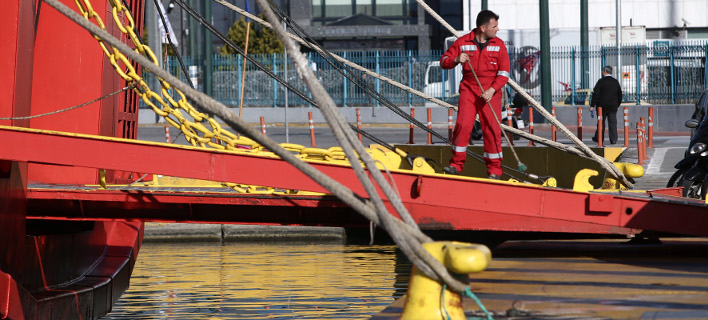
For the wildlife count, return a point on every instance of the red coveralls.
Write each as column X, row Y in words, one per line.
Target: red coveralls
column 491, row 62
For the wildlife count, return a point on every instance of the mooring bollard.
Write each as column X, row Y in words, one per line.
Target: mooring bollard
column 430, row 127
column 553, row 128
column 167, row 134
column 600, row 129
column 449, row 124
column 650, row 130
column 358, row 122
column 580, row 123
column 410, row 139
column 312, row 130
column 640, row 153
column 430, row 299
column 263, row 125
column 626, row 127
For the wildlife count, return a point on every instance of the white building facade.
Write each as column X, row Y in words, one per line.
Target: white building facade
column 663, row 19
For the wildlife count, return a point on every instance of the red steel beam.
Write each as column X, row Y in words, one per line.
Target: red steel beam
column 57, row 203
column 434, row 199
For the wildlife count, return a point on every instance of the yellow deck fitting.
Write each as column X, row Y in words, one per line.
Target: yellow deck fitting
column 424, row 297
column 630, row 170
column 582, row 180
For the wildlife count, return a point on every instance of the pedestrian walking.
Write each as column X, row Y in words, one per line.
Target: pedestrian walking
column 608, row 95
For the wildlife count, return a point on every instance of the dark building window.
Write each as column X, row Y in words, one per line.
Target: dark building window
column 450, row 11
column 393, row 11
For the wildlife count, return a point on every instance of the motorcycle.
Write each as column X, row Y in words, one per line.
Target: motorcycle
column 691, row 171
column 513, row 113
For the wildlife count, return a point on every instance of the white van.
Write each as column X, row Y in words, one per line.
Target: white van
column 436, row 81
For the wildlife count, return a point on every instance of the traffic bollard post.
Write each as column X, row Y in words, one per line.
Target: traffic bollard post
column 644, row 137
column 650, row 129
column 580, row 123
column 358, row 122
column 263, row 130
column 626, row 127
column 531, row 144
column 553, row 128
column 312, row 130
column 167, row 134
column 449, row 124
column 600, row 130
column 640, row 153
column 410, row 138
column 430, row 127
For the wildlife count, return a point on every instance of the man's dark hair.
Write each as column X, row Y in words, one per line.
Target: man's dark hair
column 607, row 69
column 485, row 16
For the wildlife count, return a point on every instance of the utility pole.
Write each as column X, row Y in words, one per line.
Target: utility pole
column 546, row 99
column 618, row 38
column 208, row 51
column 192, row 35
column 584, row 46
column 154, row 42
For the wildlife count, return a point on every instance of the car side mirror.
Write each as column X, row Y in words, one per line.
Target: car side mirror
column 691, row 123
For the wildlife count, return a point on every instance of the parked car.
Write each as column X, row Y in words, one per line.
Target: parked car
column 584, row 96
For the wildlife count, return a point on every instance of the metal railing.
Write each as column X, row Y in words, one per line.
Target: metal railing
column 656, row 73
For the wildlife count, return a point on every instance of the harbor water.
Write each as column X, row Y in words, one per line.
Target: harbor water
column 237, row 280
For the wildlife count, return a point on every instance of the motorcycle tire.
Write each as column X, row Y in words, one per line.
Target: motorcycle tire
column 692, row 189
column 675, row 178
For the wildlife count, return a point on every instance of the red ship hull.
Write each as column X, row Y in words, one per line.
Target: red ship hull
column 54, row 269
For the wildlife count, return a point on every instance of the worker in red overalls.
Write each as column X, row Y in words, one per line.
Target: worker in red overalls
column 489, row 58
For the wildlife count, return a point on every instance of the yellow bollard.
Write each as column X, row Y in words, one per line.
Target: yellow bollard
column 424, row 297
column 630, row 170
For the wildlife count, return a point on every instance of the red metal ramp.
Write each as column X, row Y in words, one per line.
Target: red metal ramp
column 435, row 201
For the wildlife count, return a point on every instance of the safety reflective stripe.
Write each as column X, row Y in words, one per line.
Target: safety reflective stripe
column 493, row 48
column 445, row 57
column 459, row 149
column 468, row 48
column 503, row 73
column 493, row 155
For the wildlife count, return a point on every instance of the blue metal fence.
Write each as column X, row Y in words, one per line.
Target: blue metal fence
column 657, row 74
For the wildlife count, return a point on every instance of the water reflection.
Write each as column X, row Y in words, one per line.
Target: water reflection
column 262, row 281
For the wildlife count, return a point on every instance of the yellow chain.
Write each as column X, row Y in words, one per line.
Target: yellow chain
column 172, row 111
column 194, row 131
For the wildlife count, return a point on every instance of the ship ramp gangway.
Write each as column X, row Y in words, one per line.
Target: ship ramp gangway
column 435, row 201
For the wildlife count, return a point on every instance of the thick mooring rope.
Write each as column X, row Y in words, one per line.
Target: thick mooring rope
column 606, row 164
column 387, row 104
column 408, row 237
column 413, row 249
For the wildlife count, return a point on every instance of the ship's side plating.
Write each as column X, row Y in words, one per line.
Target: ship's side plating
column 52, row 268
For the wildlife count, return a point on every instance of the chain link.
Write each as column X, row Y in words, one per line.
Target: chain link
column 203, row 131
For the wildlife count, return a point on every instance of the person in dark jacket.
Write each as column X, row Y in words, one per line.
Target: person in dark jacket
column 608, row 95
